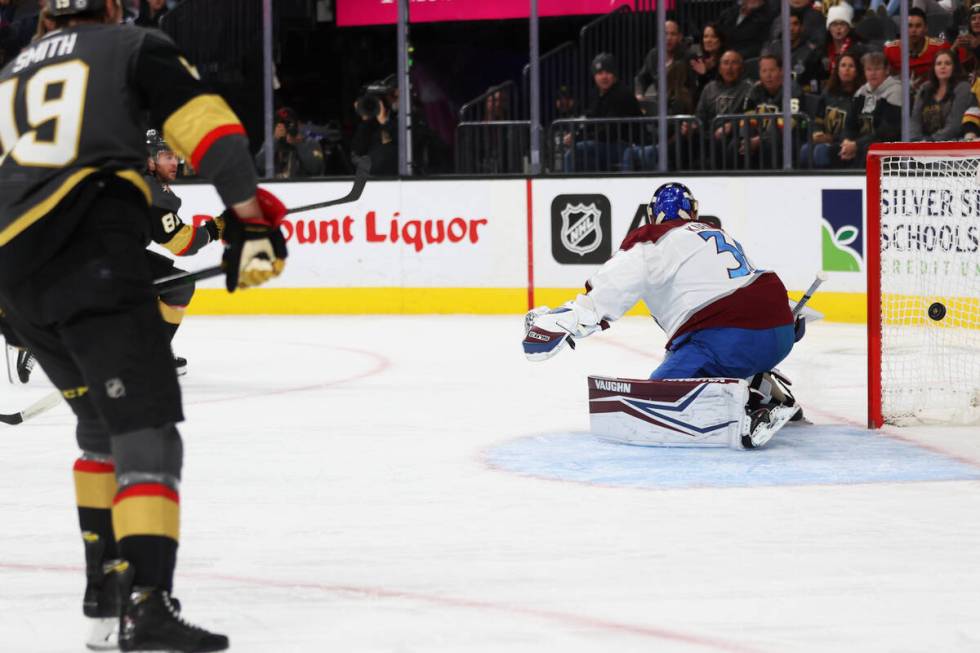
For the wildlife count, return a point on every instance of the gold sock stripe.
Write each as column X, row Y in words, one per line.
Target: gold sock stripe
column 95, row 484
column 172, row 314
column 146, row 509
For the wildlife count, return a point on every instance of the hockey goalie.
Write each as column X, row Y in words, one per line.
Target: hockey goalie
column 728, row 325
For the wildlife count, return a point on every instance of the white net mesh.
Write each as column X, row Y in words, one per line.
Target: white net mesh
column 930, row 290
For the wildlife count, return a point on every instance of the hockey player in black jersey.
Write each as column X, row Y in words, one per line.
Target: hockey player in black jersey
column 76, row 287
column 168, row 230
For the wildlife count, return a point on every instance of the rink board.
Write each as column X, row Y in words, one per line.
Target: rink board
column 488, row 246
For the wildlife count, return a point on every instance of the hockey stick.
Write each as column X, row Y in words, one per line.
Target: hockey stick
column 38, row 407
column 179, row 280
column 821, row 277
column 360, row 179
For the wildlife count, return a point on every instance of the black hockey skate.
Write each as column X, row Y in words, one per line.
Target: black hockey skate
column 103, row 603
column 151, row 622
column 180, row 364
column 25, row 365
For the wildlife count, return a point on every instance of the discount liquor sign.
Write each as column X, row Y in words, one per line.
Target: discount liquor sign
column 380, row 12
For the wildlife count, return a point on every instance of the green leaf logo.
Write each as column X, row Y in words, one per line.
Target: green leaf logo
column 837, row 256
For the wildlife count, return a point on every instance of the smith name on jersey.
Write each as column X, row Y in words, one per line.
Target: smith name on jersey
column 691, row 276
column 78, row 116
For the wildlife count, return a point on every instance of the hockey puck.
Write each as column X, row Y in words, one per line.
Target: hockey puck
column 937, row 311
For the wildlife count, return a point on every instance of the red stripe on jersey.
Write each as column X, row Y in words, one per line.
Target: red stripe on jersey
column 651, row 233
column 763, row 304
column 147, row 490
column 209, row 140
column 94, row 467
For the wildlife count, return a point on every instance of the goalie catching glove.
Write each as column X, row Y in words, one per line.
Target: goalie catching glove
column 548, row 331
column 255, row 250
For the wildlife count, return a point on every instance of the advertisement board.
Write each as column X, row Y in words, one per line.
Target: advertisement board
column 445, row 236
column 385, row 12
column 795, row 226
column 494, row 246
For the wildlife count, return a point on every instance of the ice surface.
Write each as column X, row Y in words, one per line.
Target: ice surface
column 412, row 484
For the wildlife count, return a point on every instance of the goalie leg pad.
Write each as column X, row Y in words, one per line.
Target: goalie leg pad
column 674, row 413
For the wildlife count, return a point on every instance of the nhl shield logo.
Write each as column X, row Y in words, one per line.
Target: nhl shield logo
column 581, row 231
column 581, row 226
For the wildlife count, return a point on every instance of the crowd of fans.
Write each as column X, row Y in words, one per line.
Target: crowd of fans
column 724, row 93
column 845, row 94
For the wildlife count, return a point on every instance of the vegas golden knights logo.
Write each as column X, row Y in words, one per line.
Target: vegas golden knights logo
column 834, row 120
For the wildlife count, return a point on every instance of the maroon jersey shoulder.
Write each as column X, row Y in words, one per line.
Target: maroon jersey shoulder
column 650, row 233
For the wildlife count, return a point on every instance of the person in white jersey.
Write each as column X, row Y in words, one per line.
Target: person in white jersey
column 724, row 318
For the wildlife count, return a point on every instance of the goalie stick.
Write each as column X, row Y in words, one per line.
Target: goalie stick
column 360, row 180
column 821, row 277
column 38, row 407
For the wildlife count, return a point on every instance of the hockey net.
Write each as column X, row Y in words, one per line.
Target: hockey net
column 923, row 284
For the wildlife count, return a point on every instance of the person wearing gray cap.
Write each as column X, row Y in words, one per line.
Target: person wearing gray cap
column 594, row 150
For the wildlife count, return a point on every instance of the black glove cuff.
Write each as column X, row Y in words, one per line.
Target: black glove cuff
column 212, row 230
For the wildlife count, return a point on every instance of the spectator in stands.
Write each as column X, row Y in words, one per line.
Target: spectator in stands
column 45, row 23
column 836, row 102
column 814, row 23
column 152, row 12
column 496, row 105
column 18, row 26
column 564, row 103
column 614, row 100
column 937, row 114
column 725, row 95
column 679, row 102
column 807, row 66
column 496, row 148
column 764, row 142
column 971, row 124
column 967, row 43
column 840, row 37
column 703, row 57
column 293, row 155
column 893, row 7
column 877, row 112
column 645, row 82
column 746, row 26
column 922, row 46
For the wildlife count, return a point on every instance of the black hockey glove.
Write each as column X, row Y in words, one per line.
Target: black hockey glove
column 799, row 328
column 255, row 250
column 214, row 233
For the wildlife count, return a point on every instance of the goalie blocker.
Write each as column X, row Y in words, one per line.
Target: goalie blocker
column 682, row 413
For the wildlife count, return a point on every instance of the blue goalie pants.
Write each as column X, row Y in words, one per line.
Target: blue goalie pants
column 725, row 352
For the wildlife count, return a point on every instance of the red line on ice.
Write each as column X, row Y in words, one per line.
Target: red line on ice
column 381, row 364
column 566, row 618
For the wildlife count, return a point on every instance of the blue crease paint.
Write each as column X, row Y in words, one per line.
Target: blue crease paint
column 804, row 455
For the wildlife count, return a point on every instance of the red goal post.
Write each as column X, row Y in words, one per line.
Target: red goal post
column 923, row 283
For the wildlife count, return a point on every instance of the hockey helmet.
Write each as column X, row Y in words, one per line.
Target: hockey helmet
column 672, row 201
column 155, row 143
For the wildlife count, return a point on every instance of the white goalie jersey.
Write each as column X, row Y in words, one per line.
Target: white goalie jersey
column 690, row 275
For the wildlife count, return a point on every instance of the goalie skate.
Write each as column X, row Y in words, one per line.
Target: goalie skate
column 765, row 422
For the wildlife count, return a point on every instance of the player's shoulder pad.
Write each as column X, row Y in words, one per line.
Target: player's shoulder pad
column 650, row 233
column 156, row 38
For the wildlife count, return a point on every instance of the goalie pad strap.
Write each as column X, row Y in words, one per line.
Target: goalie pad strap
column 673, row 413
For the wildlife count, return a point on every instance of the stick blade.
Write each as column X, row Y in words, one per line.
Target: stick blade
column 13, row 420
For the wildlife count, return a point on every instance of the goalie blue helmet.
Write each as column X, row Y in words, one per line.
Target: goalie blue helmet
column 672, row 201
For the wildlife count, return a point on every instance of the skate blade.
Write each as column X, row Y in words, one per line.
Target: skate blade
column 104, row 635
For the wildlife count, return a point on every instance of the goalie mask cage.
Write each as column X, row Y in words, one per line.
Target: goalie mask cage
column 923, row 266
